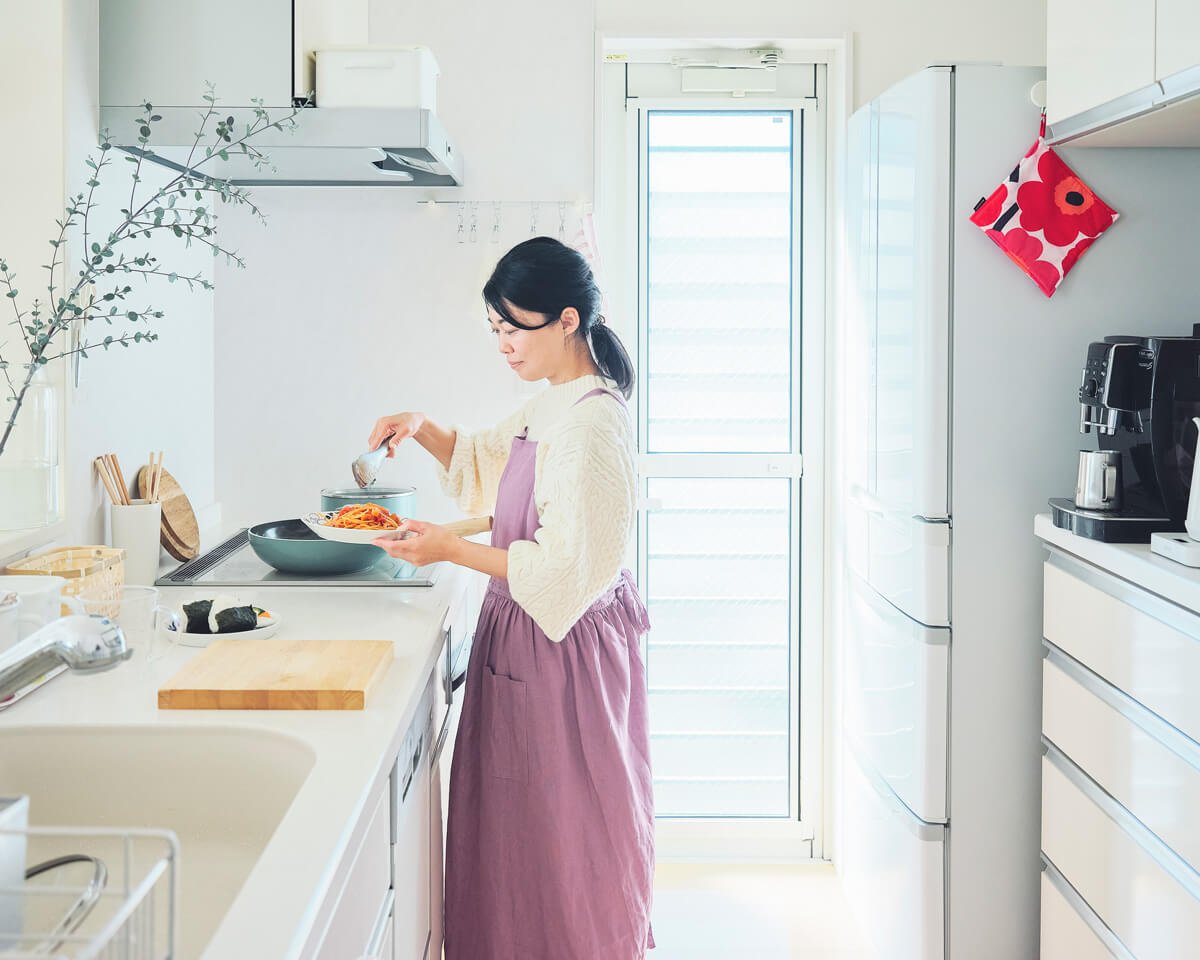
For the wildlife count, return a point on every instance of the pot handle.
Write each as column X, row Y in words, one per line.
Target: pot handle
column 468, row 528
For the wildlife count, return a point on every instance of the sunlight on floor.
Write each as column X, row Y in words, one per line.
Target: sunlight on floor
column 755, row 912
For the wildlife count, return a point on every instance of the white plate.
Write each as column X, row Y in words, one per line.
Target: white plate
column 316, row 523
column 265, row 628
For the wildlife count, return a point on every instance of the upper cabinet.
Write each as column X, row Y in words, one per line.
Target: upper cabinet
column 1178, row 37
column 1096, row 51
column 1123, row 73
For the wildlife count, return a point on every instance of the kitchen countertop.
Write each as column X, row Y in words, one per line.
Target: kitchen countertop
column 1130, row 561
column 273, row 913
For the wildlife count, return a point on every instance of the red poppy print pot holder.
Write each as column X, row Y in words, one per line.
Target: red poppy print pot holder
column 1043, row 216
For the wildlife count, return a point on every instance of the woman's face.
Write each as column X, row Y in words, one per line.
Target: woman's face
column 534, row 354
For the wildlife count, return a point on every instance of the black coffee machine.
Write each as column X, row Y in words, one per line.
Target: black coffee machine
column 1139, row 394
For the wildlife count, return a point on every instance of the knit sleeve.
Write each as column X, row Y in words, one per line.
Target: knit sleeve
column 473, row 476
column 585, row 495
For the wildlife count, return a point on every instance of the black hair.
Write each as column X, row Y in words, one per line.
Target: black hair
column 543, row 275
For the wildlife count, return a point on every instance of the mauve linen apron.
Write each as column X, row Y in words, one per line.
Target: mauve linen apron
column 550, row 832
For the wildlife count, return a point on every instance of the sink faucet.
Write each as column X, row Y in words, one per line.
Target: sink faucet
column 82, row 643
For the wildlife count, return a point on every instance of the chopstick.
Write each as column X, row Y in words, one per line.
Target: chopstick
column 113, row 479
column 102, row 469
column 157, row 494
column 121, row 487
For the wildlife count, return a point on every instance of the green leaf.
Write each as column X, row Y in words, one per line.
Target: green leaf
column 178, row 231
column 95, row 248
column 171, row 278
column 131, row 315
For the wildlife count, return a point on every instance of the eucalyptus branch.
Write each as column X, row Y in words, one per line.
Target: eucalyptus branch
column 12, row 389
column 161, row 210
column 186, row 231
column 7, row 279
column 94, row 181
column 107, row 342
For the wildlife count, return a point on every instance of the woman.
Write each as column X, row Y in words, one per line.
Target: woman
column 550, row 836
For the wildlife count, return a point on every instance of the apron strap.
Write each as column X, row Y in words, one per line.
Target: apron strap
column 598, row 390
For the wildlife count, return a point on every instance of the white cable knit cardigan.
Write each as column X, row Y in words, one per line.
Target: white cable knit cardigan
column 585, row 488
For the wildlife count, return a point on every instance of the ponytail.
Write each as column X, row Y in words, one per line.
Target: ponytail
column 544, row 275
column 610, row 356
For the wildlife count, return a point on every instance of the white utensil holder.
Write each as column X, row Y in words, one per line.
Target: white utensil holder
column 135, row 529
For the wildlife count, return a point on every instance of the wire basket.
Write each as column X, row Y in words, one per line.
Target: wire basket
column 129, row 914
column 97, row 571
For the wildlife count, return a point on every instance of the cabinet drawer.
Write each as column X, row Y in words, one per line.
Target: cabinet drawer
column 1070, row 930
column 1143, row 893
column 1140, row 643
column 893, row 869
column 1142, row 762
column 896, row 698
column 354, row 917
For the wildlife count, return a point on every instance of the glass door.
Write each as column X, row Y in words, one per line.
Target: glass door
column 728, row 549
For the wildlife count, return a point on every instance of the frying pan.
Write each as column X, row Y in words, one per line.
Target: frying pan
column 289, row 546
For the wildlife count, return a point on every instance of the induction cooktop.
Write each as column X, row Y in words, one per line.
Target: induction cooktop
column 235, row 564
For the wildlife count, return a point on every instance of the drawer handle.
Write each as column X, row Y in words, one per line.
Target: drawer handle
column 1084, row 912
column 1156, row 849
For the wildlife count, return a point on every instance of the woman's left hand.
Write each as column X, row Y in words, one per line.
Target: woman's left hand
column 427, row 543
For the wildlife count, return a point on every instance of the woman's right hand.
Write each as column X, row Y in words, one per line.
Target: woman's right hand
column 395, row 428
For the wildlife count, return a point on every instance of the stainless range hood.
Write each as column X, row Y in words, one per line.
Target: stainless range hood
column 337, row 146
column 166, row 53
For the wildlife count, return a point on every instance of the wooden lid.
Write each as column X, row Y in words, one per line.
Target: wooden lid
column 180, row 534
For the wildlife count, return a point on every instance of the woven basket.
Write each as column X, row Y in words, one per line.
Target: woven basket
column 96, row 571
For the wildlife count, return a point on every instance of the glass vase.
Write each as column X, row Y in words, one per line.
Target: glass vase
column 29, row 464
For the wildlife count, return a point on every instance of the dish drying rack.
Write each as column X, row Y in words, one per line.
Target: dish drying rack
column 130, row 914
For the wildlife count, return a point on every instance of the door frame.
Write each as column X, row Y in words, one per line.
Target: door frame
column 793, row 838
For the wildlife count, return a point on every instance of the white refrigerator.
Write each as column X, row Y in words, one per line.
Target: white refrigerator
column 961, row 419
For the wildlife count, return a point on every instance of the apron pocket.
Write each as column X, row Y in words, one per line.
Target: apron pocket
column 505, row 734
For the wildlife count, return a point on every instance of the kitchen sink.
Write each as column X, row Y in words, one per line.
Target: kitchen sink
column 222, row 790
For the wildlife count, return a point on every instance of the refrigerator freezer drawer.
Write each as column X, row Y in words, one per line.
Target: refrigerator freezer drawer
column 1070, row 930
column 1144, row 894
column 910, row 566
column 1141, row 644
column 893, row 870
column 904, row 558
column 896, row 679
column 1142, row 762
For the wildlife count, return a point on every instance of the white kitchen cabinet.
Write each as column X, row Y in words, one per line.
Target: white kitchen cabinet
column 437, row 873
column 365, row 892
column 1178, row 40
column 1096, row 51
column 411, row 832
column 1120, row 835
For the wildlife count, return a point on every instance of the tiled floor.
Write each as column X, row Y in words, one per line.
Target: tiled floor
column 751, row 912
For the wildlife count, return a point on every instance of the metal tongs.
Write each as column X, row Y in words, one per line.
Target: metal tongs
column 366, row 465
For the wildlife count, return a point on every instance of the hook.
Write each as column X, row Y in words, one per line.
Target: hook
column 461, row 238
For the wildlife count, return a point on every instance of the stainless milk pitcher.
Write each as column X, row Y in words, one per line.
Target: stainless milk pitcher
column 1098, row 483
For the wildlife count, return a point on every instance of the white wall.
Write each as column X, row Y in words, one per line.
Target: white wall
column 129, row 400
column 358, row 303
column 891, row 39
column 149, row 396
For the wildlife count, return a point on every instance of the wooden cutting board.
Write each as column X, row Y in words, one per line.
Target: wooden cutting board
column 280, row 672
column 180, row 534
